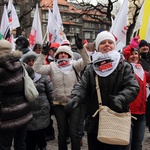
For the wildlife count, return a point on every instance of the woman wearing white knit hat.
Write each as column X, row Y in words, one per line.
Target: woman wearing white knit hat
column 117, row 84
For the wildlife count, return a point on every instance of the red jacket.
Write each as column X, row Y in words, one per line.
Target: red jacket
column 138, row 106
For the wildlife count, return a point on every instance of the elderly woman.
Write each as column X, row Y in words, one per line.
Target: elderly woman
column 15, row 110
column 117, row 84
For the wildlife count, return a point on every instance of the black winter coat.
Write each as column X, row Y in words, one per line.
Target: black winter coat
column 119, row 87
column 15, row 110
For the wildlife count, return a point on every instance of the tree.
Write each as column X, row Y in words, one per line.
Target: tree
column 105, row 9
column 101, row 12
column 25, row 8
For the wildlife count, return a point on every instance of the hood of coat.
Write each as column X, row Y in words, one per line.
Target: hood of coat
column 66, row 49
column 11, row 61
column 29, row 55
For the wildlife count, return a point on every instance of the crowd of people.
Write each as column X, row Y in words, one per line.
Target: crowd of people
column 65, row 80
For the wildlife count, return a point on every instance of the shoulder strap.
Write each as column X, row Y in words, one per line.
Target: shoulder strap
column 98, row 90
column 76, row 73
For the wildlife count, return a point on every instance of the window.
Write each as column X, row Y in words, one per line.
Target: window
column 77, row 30
column 87, row 25
column 72, row 29
column 87, row 35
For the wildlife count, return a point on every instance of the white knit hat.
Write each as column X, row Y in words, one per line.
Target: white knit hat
column 66, row 49
column 104, row 35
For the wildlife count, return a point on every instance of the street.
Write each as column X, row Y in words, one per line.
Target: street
column 52, row 145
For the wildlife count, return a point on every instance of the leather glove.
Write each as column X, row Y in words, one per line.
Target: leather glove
column 135, row 42
column 78, row 41
column 116, row 105
column 73, row 103
column 46, row 48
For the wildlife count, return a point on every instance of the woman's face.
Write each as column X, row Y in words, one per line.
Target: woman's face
column 30, row 62
column 106, row 46
column 38, row 50
column 134, row 57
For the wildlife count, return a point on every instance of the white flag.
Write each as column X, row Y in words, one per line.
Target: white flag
column 36, row 31
column 139, row 20
column 56, row 14
column 4, row 27
column 54, row 32
column 119, row 26
column 12, row 15
column 148, row 32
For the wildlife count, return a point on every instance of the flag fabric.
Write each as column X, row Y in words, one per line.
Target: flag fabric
column 56, row 14
column 145, row 20
column 12, row 15
column 54, row 34
column 5, row 26
column 119, row 26
column 36, row 31
column 139, row 20
column 148, row 32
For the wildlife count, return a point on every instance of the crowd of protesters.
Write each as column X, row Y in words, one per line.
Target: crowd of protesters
column 65, row 80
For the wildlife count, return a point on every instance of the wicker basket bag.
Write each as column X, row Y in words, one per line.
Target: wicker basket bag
column 114, row 128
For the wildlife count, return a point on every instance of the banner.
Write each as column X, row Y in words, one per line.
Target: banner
column 5, row 25
column 36, row 31
column 119, row 26
column 12, row 15
column 145, row 20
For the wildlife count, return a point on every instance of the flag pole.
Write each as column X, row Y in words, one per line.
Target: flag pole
column 44, row 37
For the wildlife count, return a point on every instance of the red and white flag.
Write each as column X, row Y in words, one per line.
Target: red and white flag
column 56, row 14
column 5, row 25
column 53, row 30
column 119, row 26
column 36, row 31
column 12, row 15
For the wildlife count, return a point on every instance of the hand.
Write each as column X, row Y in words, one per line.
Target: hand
column 135, row 42
column 46, row 48
column 71, row 105
column 78, row 41
column 116, row 105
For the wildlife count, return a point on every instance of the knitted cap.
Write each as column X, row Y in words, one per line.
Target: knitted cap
column 104, row 35
column 66, row 49
column 65, row 42
column 5, row 47
column 143, row 43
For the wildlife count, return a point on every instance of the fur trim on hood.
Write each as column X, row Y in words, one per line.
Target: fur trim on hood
column 13, row 55
column 29, row 55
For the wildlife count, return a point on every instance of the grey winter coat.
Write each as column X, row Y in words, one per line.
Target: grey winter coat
column 41, row 106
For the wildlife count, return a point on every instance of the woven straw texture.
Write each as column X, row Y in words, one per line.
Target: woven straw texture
column 114, row 128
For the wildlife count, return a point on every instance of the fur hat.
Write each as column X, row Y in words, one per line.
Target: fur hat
column 104, row 35
column 143, row 43
column 66, row 49
column 5, row 47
